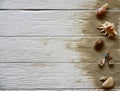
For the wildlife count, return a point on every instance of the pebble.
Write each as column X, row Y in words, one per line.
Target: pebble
column 99, row 45
column 111, row 63
column 104, row 78
column 109, row 83
column 101, row 63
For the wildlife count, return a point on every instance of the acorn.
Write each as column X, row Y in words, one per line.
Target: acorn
column 102, row 10
column 99, row 45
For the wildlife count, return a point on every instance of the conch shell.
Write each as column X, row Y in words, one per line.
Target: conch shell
column 108, row 29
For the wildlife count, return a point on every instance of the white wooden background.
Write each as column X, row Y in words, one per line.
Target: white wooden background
column 35, row 36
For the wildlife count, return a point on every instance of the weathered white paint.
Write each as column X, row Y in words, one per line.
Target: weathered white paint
column 43, row 75
column 65, row 89
column 47, row 4
column 54, row 4
column 29, row 59
column 36, row 49
column 42, row 23
column 46, row 23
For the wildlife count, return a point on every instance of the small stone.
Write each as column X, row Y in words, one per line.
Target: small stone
column 109, row 83
column 111, row 63
column 101, row 63
column 104, row 78
column 99, row 45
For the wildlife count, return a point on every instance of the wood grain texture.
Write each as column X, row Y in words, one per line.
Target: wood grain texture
column 45, row 75
column 36, row 48
column 66, row 89
column 39, row 49
column 42, row 75
column 48, row 23
column 46, row 4
column 55, row 4
column 43, row 45
column 41, row 23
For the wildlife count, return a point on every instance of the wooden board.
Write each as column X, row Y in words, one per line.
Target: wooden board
column 48, row 63
column 45, row 4
column 44, row 75
column 41, row 75
column 42, row 23
column 49, row 23
column 56, row 4
column 43, row 44
column 39, row 49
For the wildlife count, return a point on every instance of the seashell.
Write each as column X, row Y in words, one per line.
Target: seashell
column 109, row 83
column 104, row 78
column 111, row 63
column 101, row 63
column 99, row 45
column 108, row 29
column 102, row 10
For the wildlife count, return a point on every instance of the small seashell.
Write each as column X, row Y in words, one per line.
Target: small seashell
column 104, row 78
column 108, row 29
column 109, row 83
column 111, row 63
column 102, row 10
column 101, row 63
column 99, row 45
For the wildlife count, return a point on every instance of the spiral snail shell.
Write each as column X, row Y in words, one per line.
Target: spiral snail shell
column 102, row 10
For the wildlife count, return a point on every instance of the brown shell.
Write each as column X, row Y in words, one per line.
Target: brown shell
column 99, row 45
column 102, row 10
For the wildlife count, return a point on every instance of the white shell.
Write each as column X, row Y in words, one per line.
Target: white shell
column 102, row 62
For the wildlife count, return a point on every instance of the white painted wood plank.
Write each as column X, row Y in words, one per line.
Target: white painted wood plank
column 56, row 4
column 43, row 75
column 42, row 49
column 67, row 89
column 47, row 75
column 49, row 23
column 47, row 4
column 42, row 23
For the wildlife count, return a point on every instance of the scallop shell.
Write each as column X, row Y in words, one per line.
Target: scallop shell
column 108, row 29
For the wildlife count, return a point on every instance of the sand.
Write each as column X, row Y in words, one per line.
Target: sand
column 113, row 45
